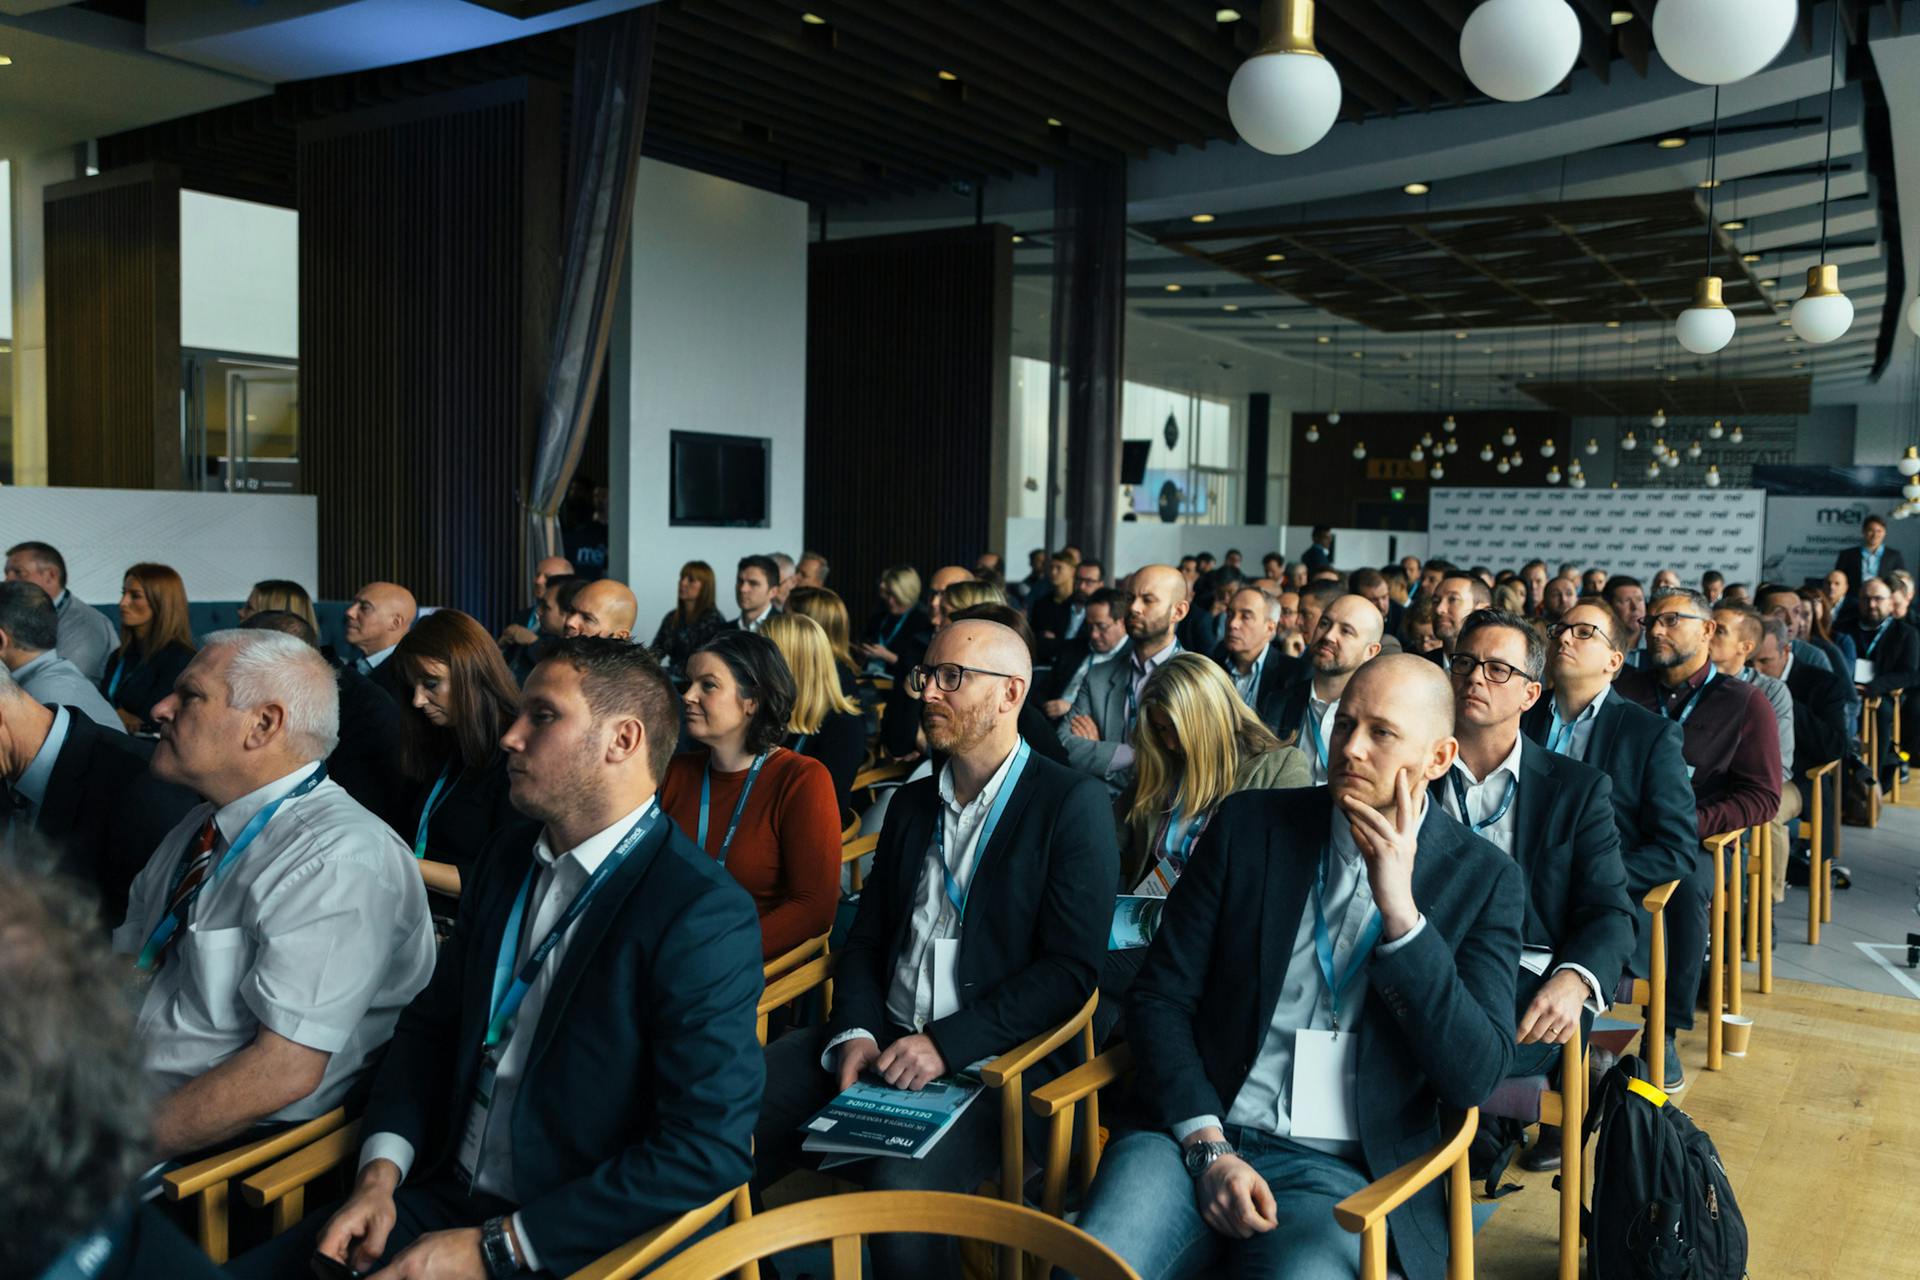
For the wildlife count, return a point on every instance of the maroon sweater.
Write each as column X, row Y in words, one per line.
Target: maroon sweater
column 1730, row 740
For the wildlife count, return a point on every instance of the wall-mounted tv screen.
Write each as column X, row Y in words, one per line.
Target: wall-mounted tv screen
column 720, row 480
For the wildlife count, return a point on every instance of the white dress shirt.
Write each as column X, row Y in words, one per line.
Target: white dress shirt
column 31, row 786
column 561, row 877
column 369, row 661
column 318, row 932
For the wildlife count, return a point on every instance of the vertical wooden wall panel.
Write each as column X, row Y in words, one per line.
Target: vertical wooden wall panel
column 113, row 329
column 422, row 338
column 907, row 369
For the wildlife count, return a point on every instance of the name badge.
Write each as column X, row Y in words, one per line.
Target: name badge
column 1863, row 671
column 946, row 983
column 476, row 1130
column 1326, row 1065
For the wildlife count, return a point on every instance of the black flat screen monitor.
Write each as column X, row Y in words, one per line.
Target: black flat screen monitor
column 1133, row 460
column 720, row 481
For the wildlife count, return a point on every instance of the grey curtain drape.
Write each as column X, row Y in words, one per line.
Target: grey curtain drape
column 613, row 64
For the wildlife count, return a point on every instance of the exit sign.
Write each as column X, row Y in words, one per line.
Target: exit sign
column 1395, row 469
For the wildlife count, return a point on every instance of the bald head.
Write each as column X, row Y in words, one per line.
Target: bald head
column 1160, row 601
column 551, row 567
column 1395, row 717
column 947, row 575
column 1164, row 580
column 379, row 616
column 977, row 722
column 1347, row 635
column 603, row 608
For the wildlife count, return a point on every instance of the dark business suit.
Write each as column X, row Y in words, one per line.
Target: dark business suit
column 103, row 813
column 473, row 806
column 365, row 761
column 1819, row 718
column 1848, row 562
column 145, row 683
column 1640, row 753
column 840, row 745
column 1291, row 706
column 1270, row 698
column 1066, row 660
column 1437, row 1026
column 387, row 678
column 640, row 1089
column 1894, row 649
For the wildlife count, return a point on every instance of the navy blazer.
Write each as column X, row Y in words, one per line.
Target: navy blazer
column 1437, row 1027
column 1277, row 677
column 1819, row 716
column 1641, row 754
column 644, row 1078
column 1039, row 907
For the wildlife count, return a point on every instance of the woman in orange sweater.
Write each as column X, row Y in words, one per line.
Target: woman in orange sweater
column 767, row 814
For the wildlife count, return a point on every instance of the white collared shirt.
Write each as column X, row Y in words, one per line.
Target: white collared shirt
column 33, row 780
column 373, row 660
column 561, row 876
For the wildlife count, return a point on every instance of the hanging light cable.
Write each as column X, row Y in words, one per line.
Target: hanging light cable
column 1823, row 312
column 1707, row 325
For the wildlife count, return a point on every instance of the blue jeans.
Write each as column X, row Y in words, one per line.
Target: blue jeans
column 1142, row 1207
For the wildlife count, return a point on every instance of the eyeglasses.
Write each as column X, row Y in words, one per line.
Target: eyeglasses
column 1581, row 631
column 948, row 675
column 1498, row 672
column 1673, row 618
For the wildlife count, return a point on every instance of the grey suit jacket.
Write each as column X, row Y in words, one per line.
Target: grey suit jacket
column 53, row 681
column 1103, row 696
column 86, row 637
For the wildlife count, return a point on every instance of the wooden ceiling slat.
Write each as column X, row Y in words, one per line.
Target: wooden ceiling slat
column 1437, row 64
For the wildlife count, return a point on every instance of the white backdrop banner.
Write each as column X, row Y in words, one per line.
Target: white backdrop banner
column 1806, row 535
column 1632, row 531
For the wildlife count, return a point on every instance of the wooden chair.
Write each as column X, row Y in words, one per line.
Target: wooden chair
column 207, row 1183
column 814, row 974
column 849, row 825
column 1759, row 935
column 851, row 852
column 1364, row 1212
column 795, row 958
column 644, row 1251
column 1819, row 892
column 846, row 1220
column 440, row 877
column 1717, row 943
column 1894, row 698
column 867, row 779
column 1870, row 749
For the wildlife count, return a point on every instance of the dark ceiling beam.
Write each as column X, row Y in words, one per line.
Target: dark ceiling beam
column 1437, row 63
column 1112, row 73
column 1199, row 64
column 1385, row 83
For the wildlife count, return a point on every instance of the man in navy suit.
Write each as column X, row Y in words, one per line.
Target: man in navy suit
column 583, row 1066
column 1873, row 558
column 1336, row 965
column 983, row 924
column 1252, row 658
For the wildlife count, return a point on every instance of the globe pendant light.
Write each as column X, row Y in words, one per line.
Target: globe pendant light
column 1720, row 41
column 1418, row 454
column 1715, row 431
column 1660, row 447
column 1629, row 444
column 1823, row 312
column 1360, row 449
column 1518, row 459
column 1577, row 482
column 1736, row 435
column 1707, row 325
column 1593, row 447
column 1502, row 466
column 1659, row 419
column 1693, row 449
column 1910, row 464
column 1426, row 439
column 1449, row 426
column 1486, row 453
column 1910, row 491
column 1574, row 468
column 1286, row 96
column 1713, row 477
column 1313, row 433
column 1546, row 449
column 1507, row 437
column 1453, row 446
column 1436, row 472
column 1671, row 461
column 1553, row 475
column 1515, row 50
column 1333, row 419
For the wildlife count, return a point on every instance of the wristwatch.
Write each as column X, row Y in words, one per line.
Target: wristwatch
column 496, row 1249
column 1200, row 1156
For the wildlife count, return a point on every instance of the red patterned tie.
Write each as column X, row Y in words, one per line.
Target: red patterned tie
column 200, row 859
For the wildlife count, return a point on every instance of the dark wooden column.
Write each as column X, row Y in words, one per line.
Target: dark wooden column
column 907, row 369
column 429, row 239
column 113, row 329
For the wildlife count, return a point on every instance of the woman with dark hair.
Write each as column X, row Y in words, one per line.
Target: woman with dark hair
column 767, row 814
column 692, row 621
column 156, row 643
column 454, row 793
column 1820, row 629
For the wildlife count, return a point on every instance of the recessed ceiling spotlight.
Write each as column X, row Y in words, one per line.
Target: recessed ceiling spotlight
column 1620, row 17
column 1708, row 184
column 1229, row 306
column 1018, row 239
column 1283, row 325
column 1798, row 364
column 1613, row 324
column 1459, row 334
column 1226, row 15
column 1171, row 288
column 1768, row 283
column 1054, row 123
column 947, row 75
column 1323, row 339
column 1749, row 257
column 1736, row 225
column 1673, row 142
column 813, row 20
column 1276, row 257
column 1416, row 188
column 1202, row 218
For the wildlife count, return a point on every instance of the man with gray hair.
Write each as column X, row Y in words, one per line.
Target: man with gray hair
column 29, row 634
column 86, row 636
column 789, row 577
column 282, row 925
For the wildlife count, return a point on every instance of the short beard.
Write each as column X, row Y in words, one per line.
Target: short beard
column 962, row 731
column 1677, row 658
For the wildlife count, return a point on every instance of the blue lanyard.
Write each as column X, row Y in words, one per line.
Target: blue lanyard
column 1877, row 633
column 533, row 618
column 739, row 806
column 954, row 894
column 86, row 1257
column 898, row 623
column 799, row 746
column 1460, row 798
column 1560, row 737
column 157, row 940
column 119, row 670
column 506, row 998
column 1686, row 708
column 1323, row 944
column 1313, row 735
column 435, row 798
column 1177, row 841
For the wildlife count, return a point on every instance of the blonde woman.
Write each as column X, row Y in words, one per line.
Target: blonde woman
column 965, row 595
column 900, row 630
column 1195, row 743
column 825, row 607
column 824, row 723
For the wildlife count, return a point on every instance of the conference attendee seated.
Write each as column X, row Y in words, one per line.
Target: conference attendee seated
column 84, row 790
column 789, row 578
column 1100, row 722
column 1313, row 602
column 1819, row 725
column 1319, row 552
column 1458, row 594
column 1254, row 658
column 604, row 609
column 282, row 925
column 1713, row 585
column 550, row 624
column 1371, row 585
column 824, row 723
column 87, row 636
column 279, row 595
column 1416, row 629
column 1337, row 966
column 1348, row 636
column 826, row 607
column 983, row 924
column 1785, row 605
column 1205, row 625
column 29, row 632
column 1101, row 638
column 381, row 613
column 1839, row 601
column 896, row 635
column 1055, row 613
column 518, row 635
column 768, row 815
column 1888, row 658
column 693, row 620
column 1558, row 597
column 1732, row 750
column 1822, row 629
column 583, row 1067
column 1039, row 733
column 1553, row 816
column 156, row 643
column 1873, row 558
column 463, row 699
column 1628, row 599
column 1737, row 636
column 754, row 584
column 74, row 1108
column 1587, row 720
column 813, row 569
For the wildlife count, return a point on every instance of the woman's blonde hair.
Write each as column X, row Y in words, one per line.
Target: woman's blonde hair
column 971, row 591
column 816, row 685
column 902, row 582
column 1511, row 597
column 825, row 607
column 1217, row 733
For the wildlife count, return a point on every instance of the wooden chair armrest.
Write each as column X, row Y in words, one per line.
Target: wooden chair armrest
column 807, row 950
column 641, row 1252
column 297, row 1170
column 851, row 827
column 1871, row 704
column 1724, row 839
column 1657, row 897
column 854, row 850
column 1064, row 1091
column 1821, row 771
column 1016, row 1061
column 1375, row 1201
column 791, row 986
column 880, row 773
column 190, row 1180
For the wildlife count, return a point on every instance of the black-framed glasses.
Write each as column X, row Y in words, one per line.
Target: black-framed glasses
column 1498, row 672
column 1581, row 631
column 1673, row 618
column 948, row 675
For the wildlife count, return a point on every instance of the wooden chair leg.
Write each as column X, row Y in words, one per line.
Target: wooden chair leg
column 1764, row 896
column 1373, row 1252
column 1752, row 868
column 211, row 1218
column 1735, row 974
column 1655, row 1041
column 1839, row 826
column 1460, row 1217
column 1717, row 957
column 1816, row 877
column 1573, row 1087
column 1013, row 1165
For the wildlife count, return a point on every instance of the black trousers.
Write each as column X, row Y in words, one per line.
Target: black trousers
column 440, row 1204
column 1686, row 917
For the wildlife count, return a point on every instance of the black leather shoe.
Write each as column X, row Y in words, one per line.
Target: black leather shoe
column 1544, row 1155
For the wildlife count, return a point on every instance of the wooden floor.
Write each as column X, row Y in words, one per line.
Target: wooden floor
column 1819, row 1127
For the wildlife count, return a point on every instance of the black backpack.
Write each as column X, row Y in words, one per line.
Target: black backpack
column 1662, row 1207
